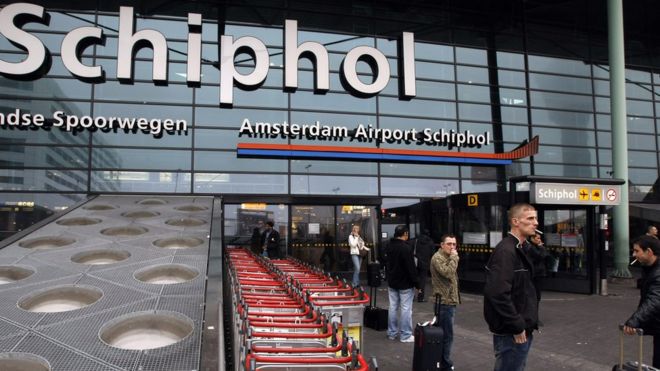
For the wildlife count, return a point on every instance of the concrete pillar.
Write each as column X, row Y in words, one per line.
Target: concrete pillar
column 619, row 134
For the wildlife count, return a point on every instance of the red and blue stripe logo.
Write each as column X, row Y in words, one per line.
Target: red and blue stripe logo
column 292, row 151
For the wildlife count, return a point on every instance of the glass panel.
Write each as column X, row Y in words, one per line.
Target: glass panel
column 425, row 89
column 233, row 118
column 471, row 56
column 472, row 74
column 38, row 206
column 639, row 91
column 241, row 183
column 602, row 104
column 605, row 157
column 358, row 215
column 43, row 180
column 514, row 115
column 510, row 60
column 142, row 110
column 418, row 187
column 48, row 157
column 474, row 112
column 334, row 185
column 565, row 170
column 144, row 93
column 601, row 87
column 127, row 158
column 562, row 101
column 643, row 176
column 603, row 122
column 566, row 243
column 270, row 36
column 511, row 78
column 244, row 224
column 513, row 97
column 565, row 136
column 639, row 108
column 441, row 53
column 604, row 139
column 470, row 186
column 140, row 181
column 334, row 167
column 640, row 124
column 561, row 118
column 418, row 107
column 435, row 71
column 639, row 141
column 642, row 159
column 227, row 139
column 228, row 161
column 340, row 102
column 566, row 155
column 474, row 93
column 516, row 133
column 313, row 236
column 558, row 65
column 51, row 88
column 559, row 83
column 397, row 169
column 139, row 139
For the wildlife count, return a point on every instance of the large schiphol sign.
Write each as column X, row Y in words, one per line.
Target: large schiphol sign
column 35, row 64
column 15, row 15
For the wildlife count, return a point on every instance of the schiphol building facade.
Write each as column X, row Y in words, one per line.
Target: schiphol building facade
column 319, row 116
column 323, row 115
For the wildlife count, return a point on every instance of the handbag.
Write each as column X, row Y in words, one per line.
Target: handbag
column 362, row 248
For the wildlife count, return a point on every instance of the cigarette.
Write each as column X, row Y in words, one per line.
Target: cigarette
column 633, row 262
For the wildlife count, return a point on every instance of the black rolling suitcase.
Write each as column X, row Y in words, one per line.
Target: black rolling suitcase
column 374, row 317
column 427, row 354
column 632, row 365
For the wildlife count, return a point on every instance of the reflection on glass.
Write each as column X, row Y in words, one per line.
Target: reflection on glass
column 140, row 181
column 241, row 183
column 566, row 243
column 244, row 224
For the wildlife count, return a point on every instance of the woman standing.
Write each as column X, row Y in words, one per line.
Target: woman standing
column 356, row 243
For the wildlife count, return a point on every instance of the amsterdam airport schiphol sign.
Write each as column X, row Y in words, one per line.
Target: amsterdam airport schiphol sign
column 575, row 194
column 14, row 17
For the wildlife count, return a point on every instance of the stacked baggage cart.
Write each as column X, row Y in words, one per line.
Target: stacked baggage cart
column 289, row 315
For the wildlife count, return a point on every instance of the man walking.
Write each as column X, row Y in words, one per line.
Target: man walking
column 270, row 241
column 646, row 250
column 510, row 306
column 402, row 280
column 444, row 278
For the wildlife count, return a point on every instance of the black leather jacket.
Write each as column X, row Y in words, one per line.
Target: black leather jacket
column 510, row 304
column 648, row 311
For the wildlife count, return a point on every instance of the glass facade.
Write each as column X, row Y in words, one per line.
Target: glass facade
column 516, row 69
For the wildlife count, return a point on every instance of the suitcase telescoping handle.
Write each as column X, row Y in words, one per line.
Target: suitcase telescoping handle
column 640, row 334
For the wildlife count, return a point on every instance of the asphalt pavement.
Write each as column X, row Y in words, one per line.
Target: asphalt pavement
column 580, row 332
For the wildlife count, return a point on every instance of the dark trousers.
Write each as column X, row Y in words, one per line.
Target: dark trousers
column 538, row 285
column 656, row 351
column 273, row 253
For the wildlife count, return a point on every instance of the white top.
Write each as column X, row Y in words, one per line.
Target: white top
column 356, row 243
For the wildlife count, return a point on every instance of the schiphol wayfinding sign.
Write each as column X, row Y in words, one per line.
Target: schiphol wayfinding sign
column 575, row 194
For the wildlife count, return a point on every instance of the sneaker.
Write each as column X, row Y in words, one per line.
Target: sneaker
column 410, row 339
column 391, row 337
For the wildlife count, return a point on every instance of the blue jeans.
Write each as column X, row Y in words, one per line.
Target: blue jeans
column 357, row 263
column 400, row 299
column 446, row 321
column 510, row 356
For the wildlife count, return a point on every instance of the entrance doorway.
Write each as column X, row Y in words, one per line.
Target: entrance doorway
column 319, row 233
column 313, row 232
column 569, row 244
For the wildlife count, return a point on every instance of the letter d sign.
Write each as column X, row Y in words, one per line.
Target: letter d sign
column 473, row 200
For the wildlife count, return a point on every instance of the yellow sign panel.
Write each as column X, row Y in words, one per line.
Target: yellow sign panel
column 473, row 200
column 583, row 194
column 596, row 194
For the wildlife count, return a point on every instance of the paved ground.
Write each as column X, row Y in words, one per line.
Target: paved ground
column 580, row 333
